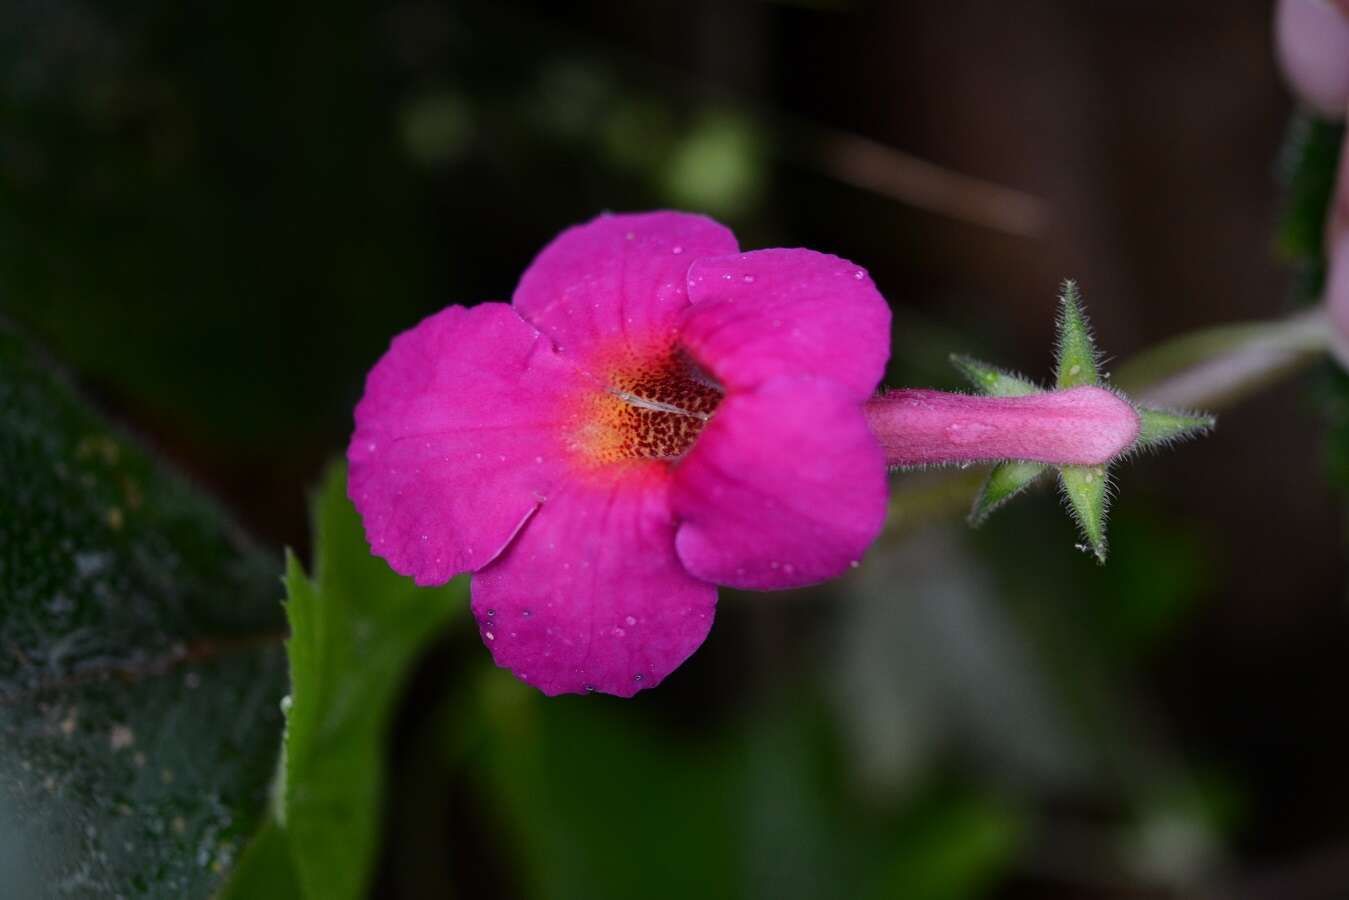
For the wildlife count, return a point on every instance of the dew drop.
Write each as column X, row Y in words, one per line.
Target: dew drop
column 526, row 613
column 489, row 635
column 859, row 274
column 631, row 621
column 749, row 279
column 491, row 612
column 590, row 689
column 637, row 677
column 854, row 563
column 967, row 432
column 677, row 250
column 1075, row 370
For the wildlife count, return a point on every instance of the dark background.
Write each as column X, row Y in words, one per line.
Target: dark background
column 218, row 215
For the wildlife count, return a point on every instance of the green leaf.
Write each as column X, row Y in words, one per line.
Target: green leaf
column 1077, row 362
column 1087, row 491
column 1005, row 481
column 991, row 380
column 266, row 870
column 1307, row 169
column 954, row 850
column 356, row 629
column 140, row 659
column 1163, row 426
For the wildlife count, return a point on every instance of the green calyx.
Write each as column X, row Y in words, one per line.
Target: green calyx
column 1086, row 489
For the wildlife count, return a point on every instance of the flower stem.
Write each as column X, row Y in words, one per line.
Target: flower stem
column 1083, row 426
column 1214, row 368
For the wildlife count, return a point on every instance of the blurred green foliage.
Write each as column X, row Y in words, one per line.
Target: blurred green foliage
column 1308, row 170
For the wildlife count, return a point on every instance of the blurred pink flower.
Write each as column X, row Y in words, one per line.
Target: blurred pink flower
column 564, row 448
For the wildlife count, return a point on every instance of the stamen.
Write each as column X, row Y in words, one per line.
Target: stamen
column 650, row 408
column 657, row 406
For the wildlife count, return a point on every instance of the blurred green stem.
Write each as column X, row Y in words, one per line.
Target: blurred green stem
column 1215, row 368
column 1210, row 369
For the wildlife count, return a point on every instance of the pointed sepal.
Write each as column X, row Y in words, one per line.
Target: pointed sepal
column 1086, row 488
column 1005, row 481
column 1160, row 427
column 1078, row 362
column 993, row 381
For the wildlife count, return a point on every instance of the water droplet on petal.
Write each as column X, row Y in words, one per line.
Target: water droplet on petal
column 637, row 677
column 489, row 635
column 631, row 621
column 590, row 689
column 859, row 274
column 677, row 250
column 749, row 279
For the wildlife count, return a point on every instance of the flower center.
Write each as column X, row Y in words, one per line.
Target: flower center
column 650, row 409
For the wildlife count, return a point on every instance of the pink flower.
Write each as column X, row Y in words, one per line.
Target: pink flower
column 654, row 414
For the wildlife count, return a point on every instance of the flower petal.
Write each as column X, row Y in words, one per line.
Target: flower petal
column 618, row 281
column 759, row 315
column 458, row 437
column 785, row 487
column 590, row 596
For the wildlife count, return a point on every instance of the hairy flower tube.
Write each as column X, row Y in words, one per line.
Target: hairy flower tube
column 653, row 415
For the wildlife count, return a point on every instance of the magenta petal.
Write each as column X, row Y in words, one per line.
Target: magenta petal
column 458, row 437
column 617, row 279
column 759, row 315
column 590, row 596
column 785, row 487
